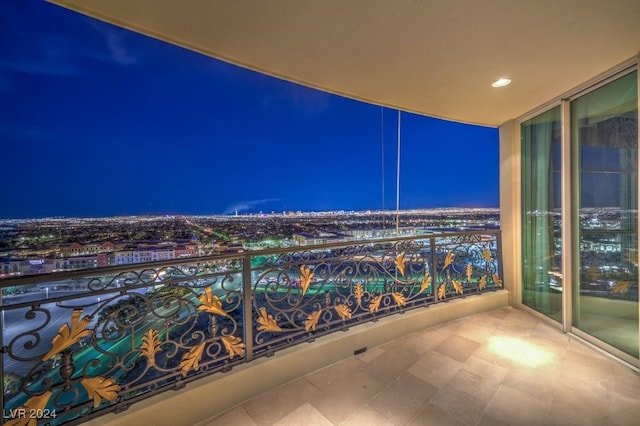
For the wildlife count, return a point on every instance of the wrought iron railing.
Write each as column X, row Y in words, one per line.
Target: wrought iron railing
column 79, row 344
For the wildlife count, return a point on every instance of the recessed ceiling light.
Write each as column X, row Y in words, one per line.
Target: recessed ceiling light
column 501, row 82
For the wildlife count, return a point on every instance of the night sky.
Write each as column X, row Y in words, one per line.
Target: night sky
column 99, row 121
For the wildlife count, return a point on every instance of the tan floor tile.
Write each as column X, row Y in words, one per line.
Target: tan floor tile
column 343, row 397
column 482, row 388
column 457, row 347
column 488, row 420
column 485, row 368
column 370, row 354
column 235, row 417
column 516, row 407
column 304, row 415
column 623, row 418
column 366, row 416
column 277, row 403
column 435, row 368
column 433, row 336
column 432, row 415
column 327, row 376
column 462, row 406
column 577, row 406
column 532, row 381
column 475, row 332
column 401, row 400
column 394, row 362
column 626, row 381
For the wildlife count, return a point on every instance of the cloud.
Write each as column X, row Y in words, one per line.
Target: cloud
column 247, row 205
column 115, row 42
column 62, row 49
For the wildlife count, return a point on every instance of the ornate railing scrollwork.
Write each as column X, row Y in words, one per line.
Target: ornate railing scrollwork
column 78, row 346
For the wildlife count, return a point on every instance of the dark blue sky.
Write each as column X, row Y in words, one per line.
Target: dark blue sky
column 99, row 121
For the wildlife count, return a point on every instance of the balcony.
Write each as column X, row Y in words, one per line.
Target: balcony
column 85, row 343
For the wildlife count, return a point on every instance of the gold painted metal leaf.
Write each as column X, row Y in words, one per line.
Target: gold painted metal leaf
column 399, row 298
column 33, row 405
column 482, row 284
column 426, row 282
column 100, row 388
column 150, row 346
column 344, row 311
column 497, row 280
column 469, row 271
column 312, row 320
column 233, row 345
column 442, row 291
column 457, row 286
column 305, row 278
column 211, row 303
column 486, row 254
column 68, row 336
column 621, row 287
column 191, row 359
column 267, row 322
column 448, row 260
column 375, row 304
column 400, row 263
column 358, row 291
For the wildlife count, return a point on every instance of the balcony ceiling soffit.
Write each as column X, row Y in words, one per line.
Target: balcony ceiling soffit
column 436, row 57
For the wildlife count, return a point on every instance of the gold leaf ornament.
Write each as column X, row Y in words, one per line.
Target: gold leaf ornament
column 486, row 254
column 375, row 304
column 100, row 388
column 469, row 271
column 233, row 345
column 343, row 311
column 442, row 291
column 68, row 336
column 191, row 360
column 33, row 405
column 482, row 284
column 448, row 260
column 426, row 282
column 150, row 346
column 400, row 263
column 358, row 291
column 497, row 280
column 305, row 278
column 211, row 303
column 457, row 286
column 399, row 298
column 621, row 287
column 267, row 322
column 312, row 320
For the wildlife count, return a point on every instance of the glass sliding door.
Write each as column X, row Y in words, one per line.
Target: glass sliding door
column 542, row 284
column 604, row 138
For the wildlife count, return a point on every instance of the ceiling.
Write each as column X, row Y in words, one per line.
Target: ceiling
column 432, row 57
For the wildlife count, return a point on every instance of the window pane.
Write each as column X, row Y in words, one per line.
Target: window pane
column 542, row 282
column 605, row 150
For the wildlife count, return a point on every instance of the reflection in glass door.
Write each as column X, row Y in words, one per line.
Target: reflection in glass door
column 604, row 137
column 541, row 214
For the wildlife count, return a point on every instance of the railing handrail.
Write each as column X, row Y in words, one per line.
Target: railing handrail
column 115, row 269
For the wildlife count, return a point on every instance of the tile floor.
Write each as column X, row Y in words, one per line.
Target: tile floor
column 495, row 368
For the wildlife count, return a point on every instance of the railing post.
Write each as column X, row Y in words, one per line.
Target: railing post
column 248, row 307
column 434, row 270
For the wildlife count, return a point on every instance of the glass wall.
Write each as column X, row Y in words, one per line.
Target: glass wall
column 541, row 222
column 604, row 138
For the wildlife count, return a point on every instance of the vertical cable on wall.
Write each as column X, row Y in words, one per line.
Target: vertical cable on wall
column 384, row 226
column 398, row 182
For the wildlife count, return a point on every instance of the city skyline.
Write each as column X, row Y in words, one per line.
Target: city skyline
column 99, row 121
